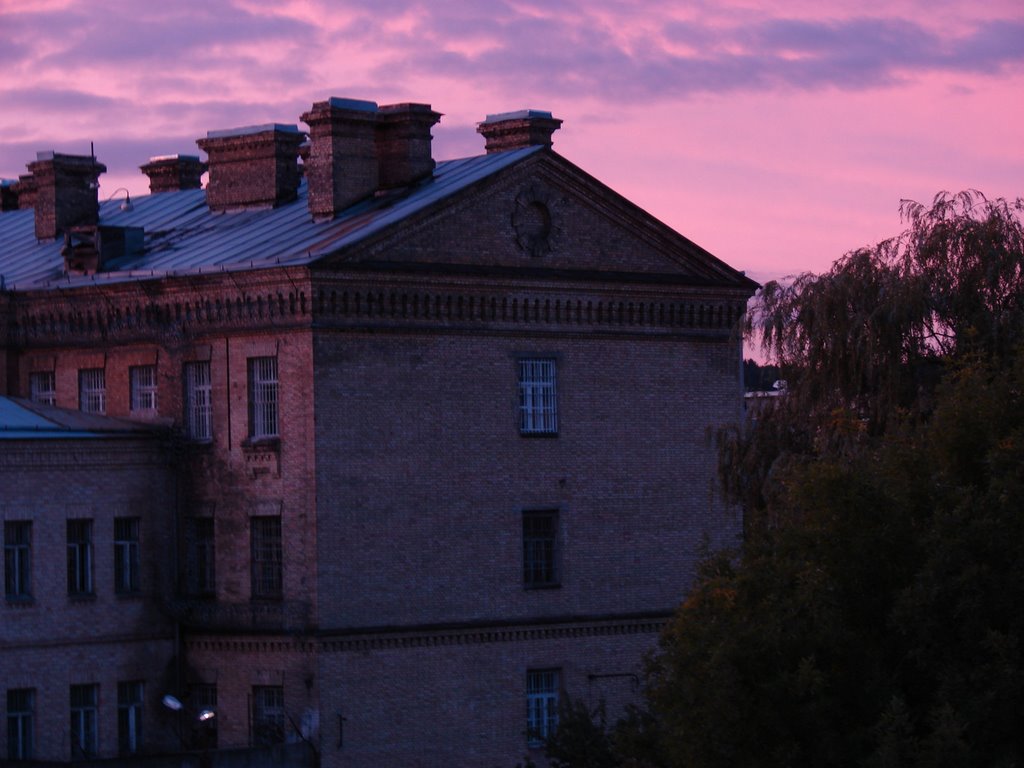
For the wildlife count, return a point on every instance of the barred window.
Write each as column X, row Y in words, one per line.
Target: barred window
column 84, row 737
column 203, row 699
column 262, row 397
column 540, row 536
column 538, row 412
column 267, row 715
column 20, row 723
column 92, row 390
column 143, row 387
column 198, row 401
column 541, row 704
column 200, row 572
column 18, row 559
column 79, row 557
column 129, row 717
column 126, row 555
column 43, row 387
column 266, row 556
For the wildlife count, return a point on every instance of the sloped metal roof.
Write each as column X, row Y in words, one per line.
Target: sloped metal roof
column 183, row 237
column 24, row 420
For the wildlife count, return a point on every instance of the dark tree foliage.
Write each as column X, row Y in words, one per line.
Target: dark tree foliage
column 873, row 616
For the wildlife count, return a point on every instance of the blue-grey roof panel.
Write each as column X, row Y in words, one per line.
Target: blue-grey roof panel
column 22, row 419
column 182, row 235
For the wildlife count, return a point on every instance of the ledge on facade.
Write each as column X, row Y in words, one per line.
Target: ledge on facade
column 214, row 616
column 298, row 755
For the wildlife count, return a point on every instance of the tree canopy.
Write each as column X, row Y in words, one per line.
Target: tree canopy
column 872, row 615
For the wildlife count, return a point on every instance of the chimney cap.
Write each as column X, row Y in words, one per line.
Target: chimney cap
column 251, row 130
column 169, row 158
column 520, row 114
column 359, row 105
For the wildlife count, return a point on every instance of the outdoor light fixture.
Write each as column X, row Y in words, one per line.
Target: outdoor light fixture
column 126, row 205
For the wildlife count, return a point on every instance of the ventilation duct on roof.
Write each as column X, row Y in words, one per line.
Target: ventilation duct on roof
column 89, row 249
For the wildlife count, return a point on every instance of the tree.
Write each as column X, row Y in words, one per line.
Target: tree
column 872, row 615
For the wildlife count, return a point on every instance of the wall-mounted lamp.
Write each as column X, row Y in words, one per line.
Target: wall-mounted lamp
column 126, row 204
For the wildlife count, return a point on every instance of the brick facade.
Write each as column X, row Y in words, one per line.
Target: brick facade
column 396, row 627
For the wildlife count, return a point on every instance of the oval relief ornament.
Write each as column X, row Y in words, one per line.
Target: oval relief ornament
column 532, row 221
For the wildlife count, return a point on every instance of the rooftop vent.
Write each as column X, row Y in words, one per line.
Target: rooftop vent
column 66, row 192
column 8, row 195
column 252, row 167
column 516, row 130
column 168, row 173
column 88, row 249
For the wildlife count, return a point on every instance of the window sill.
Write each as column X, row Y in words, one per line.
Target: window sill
column 82, row 597
column 540, row 435
column 257, row 444
column 136, row 595
column 535, row 587
column 19, row 601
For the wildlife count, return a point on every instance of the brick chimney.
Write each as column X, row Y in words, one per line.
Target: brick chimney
column 25, row 191
column 516, row 130
column 343, row 167
column 403, row 143
column 67, row 192
column 168, row 173
column 252, row 167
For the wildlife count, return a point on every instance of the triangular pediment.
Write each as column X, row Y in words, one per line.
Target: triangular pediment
column 540, row 215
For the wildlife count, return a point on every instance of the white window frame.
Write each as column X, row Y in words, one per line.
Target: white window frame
column 198, row 401
column 80, row 558
column 92, row 390
column 18, row 559
column 20, row 723
column 42, row 386
column 538, row 396
column 263, row 398
column 542, row 690
column 126, row 555
column 84, row 733
column 143, row 384
column 130, row 697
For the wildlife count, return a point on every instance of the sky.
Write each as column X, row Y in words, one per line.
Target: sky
column 777, row 135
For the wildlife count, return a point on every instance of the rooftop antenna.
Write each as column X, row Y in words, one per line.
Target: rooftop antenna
column 92, row 154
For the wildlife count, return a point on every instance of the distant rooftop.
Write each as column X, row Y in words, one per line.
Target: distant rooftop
column 22, row 419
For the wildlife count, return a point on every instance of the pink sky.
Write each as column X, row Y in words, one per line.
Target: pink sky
column 776, row 135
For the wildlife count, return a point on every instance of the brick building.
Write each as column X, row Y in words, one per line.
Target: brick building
column 435, row 437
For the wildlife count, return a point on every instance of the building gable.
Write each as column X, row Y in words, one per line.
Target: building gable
column 541, row 215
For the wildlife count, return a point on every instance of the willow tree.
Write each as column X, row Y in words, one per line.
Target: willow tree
column 872, row 614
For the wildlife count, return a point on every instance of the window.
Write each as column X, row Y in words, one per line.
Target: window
column 267, row 714
column 203, row 699
column 143, row 387
column 20, row 727
column 42, row 387
column 262, row 397
column 199, row 556
column 266, row 556
column 83, row 721
column 129, row 717
column 540, row 552
column 92, row 390
column 18, row 559
column 538, row 413
column 198, row 401
column 126, row 555
column 79, row 557
column 541, row 704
